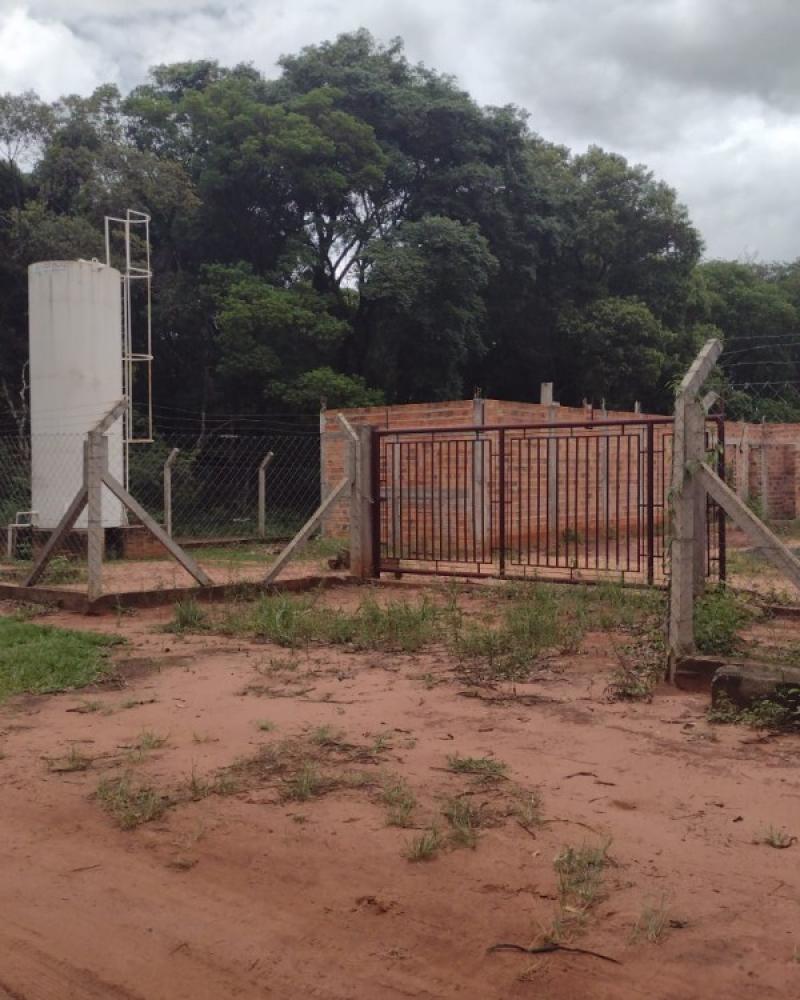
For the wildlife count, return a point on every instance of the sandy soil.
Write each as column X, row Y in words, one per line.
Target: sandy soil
column 249, row 896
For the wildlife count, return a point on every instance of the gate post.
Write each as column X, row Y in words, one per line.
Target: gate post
column 650, row 487
column 362, row 555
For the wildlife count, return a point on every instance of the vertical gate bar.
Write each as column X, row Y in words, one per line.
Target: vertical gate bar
column 629, row 494
column 466, row 505
column 566, row 499
column 586, row 501
column 502, row 498
column 403, row 497
column 429, row 543
column 597, row 502
column 417, row 553
column 448, row 520
column 576, row 532
column 375, row 493
column 649, row 458
column 627, row 439
column 538, row 500
column 616, row 503
column 439, row 544
column 554, row 487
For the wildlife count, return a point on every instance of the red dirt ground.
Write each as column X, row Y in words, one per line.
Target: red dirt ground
column 235, row 897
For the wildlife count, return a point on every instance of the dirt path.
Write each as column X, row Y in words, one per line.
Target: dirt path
column 249, row 896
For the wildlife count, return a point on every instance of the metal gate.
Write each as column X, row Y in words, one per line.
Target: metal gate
column 574, row 501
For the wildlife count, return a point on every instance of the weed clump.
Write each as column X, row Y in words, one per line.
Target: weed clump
column 465, row 820
column 425, row 846
column 130, row 804
column 400, row 802
column 718, row 617
column 780, row 712
column 652, row 922
column 484, row 767
column 188, row 617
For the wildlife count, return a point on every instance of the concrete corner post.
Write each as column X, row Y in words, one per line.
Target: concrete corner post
column 688, row 500
column 362, row 557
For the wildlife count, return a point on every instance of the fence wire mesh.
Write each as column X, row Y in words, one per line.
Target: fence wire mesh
column 214, row 500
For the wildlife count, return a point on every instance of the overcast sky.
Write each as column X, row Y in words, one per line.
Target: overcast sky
column 705, row 92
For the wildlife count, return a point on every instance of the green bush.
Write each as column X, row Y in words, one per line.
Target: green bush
column 718, row 617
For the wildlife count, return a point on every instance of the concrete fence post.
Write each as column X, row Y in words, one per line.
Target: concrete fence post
column 168, row 490
column 324, row 485
column 687, row 527
column 96, row 465
column 362, row 556
column 262, row 494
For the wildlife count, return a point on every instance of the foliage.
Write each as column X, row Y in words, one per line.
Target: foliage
column 718, row 616
column 358, row 229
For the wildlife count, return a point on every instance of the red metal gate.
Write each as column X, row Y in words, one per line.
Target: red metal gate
column 552, row 501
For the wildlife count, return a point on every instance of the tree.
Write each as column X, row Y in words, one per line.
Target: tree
column 424, row 293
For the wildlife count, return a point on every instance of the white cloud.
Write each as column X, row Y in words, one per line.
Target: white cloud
column 46, row 56
column 706, row 92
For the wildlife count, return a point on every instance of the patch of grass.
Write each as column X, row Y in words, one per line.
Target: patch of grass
column 40, row 659
column 61, row 569
column 400, row 802
column 652, row 922
column 425, row 846
column 197, row 787
column 304, row 784
column 225, row 783
column 87, row 707
column 527, row 808
column 528, row 627
column 188, row 617
column 265, row 725
column 580, row 876
column 72, row 761
column 778, row 713
column 719, row 615
column 295, row 621
column 398, row 626
column 382, row 743
column 775, row 837
column 485, row 767
column 640, row 665
column 234, row 554
column 146, row 742
column 129, row 803
column 287, row 620
column 326, row 736
column 465, row 820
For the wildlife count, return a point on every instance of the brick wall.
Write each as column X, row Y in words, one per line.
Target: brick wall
column 762, row 466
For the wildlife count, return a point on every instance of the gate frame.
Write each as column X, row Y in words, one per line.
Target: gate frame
column 646, row 423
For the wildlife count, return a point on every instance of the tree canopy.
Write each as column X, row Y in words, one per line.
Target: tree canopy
column 359, row 229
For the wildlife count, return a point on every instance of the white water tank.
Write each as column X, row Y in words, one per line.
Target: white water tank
column 75, row 325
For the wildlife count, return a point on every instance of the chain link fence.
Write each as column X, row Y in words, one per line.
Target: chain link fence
column 229, row 498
